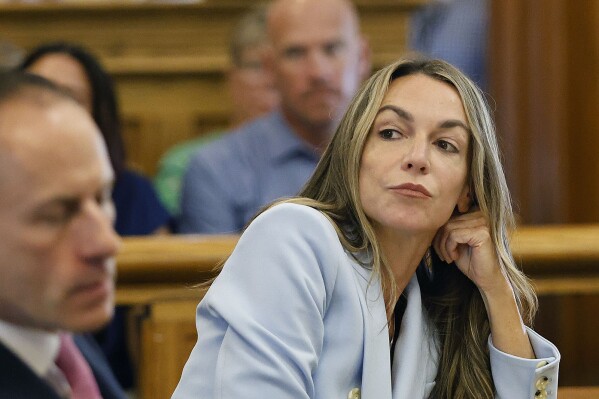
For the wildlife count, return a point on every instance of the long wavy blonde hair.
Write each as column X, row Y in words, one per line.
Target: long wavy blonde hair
column 453, row 302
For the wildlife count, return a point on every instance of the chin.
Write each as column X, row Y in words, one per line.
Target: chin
column 90, row 321
column 412, row 224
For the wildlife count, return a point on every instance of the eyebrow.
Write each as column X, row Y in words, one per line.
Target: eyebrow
column 66, row 202
column 402, row 113
column 451, row 123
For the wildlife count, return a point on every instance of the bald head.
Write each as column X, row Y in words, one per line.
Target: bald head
column 318, row 59
column 301, row 11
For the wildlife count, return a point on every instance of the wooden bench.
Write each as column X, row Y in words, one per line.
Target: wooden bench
column 156, row 276
column 578, row 392
column 561, row 259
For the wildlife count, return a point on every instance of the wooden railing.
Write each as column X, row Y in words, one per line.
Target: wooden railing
column 157, row 276
column 560, row 259
column 578, row 392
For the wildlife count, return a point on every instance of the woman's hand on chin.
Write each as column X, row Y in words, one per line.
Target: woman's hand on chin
column 465, row 239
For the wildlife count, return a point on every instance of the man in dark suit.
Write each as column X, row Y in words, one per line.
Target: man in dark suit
column 57, row 245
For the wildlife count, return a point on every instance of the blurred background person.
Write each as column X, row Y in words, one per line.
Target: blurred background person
column 138, row 210
column 455, row 31
column 252, row 94
column 10, row 55
column 318, row 58
column 57, row 245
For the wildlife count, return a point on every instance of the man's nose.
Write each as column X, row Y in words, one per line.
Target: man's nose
column 319, row 65
column 95, row 234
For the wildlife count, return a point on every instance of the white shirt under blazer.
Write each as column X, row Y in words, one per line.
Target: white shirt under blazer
column 294, row 315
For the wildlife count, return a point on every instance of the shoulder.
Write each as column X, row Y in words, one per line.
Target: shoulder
column 295, row 246
column 241, row 144
column 296, row 229
column 139, row 211
column 132, row 186
column 182, row 152
column 131, row 179
column 288, row 217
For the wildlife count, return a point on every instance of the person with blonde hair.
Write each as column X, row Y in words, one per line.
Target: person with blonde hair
column 390, row 275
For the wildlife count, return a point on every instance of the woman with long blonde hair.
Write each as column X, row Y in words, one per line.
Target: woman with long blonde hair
column 390, row 275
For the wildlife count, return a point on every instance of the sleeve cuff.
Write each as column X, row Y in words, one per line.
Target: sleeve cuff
column 533, row 378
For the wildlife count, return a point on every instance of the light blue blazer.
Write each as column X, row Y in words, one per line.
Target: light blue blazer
column 293, row 315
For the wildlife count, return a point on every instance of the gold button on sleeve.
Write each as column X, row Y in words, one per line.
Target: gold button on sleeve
column 542, row 383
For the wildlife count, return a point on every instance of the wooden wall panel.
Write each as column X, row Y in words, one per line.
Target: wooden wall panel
column 527, row 78
column 169, row 61
column 162, row 110
column 544, row 67
column 582, row 130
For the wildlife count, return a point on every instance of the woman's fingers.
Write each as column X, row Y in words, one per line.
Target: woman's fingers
column 467, row 224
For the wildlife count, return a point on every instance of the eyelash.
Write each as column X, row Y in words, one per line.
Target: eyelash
column 59, row 217
column 384, row 134
column 451, row 148
column 387, row 134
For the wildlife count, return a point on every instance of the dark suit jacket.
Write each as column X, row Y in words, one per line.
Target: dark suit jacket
column 18, row 381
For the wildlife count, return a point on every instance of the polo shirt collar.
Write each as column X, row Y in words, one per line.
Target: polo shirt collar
column 286, row 143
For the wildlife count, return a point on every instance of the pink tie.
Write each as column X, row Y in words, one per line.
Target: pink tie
column 76, row 370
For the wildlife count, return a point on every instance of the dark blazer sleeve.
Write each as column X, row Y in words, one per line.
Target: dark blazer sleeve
column 109, row 386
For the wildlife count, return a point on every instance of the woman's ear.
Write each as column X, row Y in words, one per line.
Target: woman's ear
column 465, row 200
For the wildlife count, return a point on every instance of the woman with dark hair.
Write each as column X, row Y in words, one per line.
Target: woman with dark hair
column 138, row 210
column 390, row 276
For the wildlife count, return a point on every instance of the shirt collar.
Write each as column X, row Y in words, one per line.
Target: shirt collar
column 36, row 348
column 286, row 142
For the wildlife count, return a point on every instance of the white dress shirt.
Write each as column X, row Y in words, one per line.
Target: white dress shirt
column 38, row 349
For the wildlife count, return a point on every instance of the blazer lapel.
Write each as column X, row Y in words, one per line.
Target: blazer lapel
column 18, row 381
column 415, row 358
column 109, row 386
column 376, row 367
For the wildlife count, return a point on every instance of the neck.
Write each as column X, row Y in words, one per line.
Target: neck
column 317, row 135
column 403, row 253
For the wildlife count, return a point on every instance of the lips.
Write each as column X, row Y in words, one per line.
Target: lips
column 412, row 190
column 98, row 285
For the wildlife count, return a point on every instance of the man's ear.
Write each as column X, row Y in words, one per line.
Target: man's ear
column 465, row 200
column 365, row 57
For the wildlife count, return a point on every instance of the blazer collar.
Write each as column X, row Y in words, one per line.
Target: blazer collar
column 415, row 359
